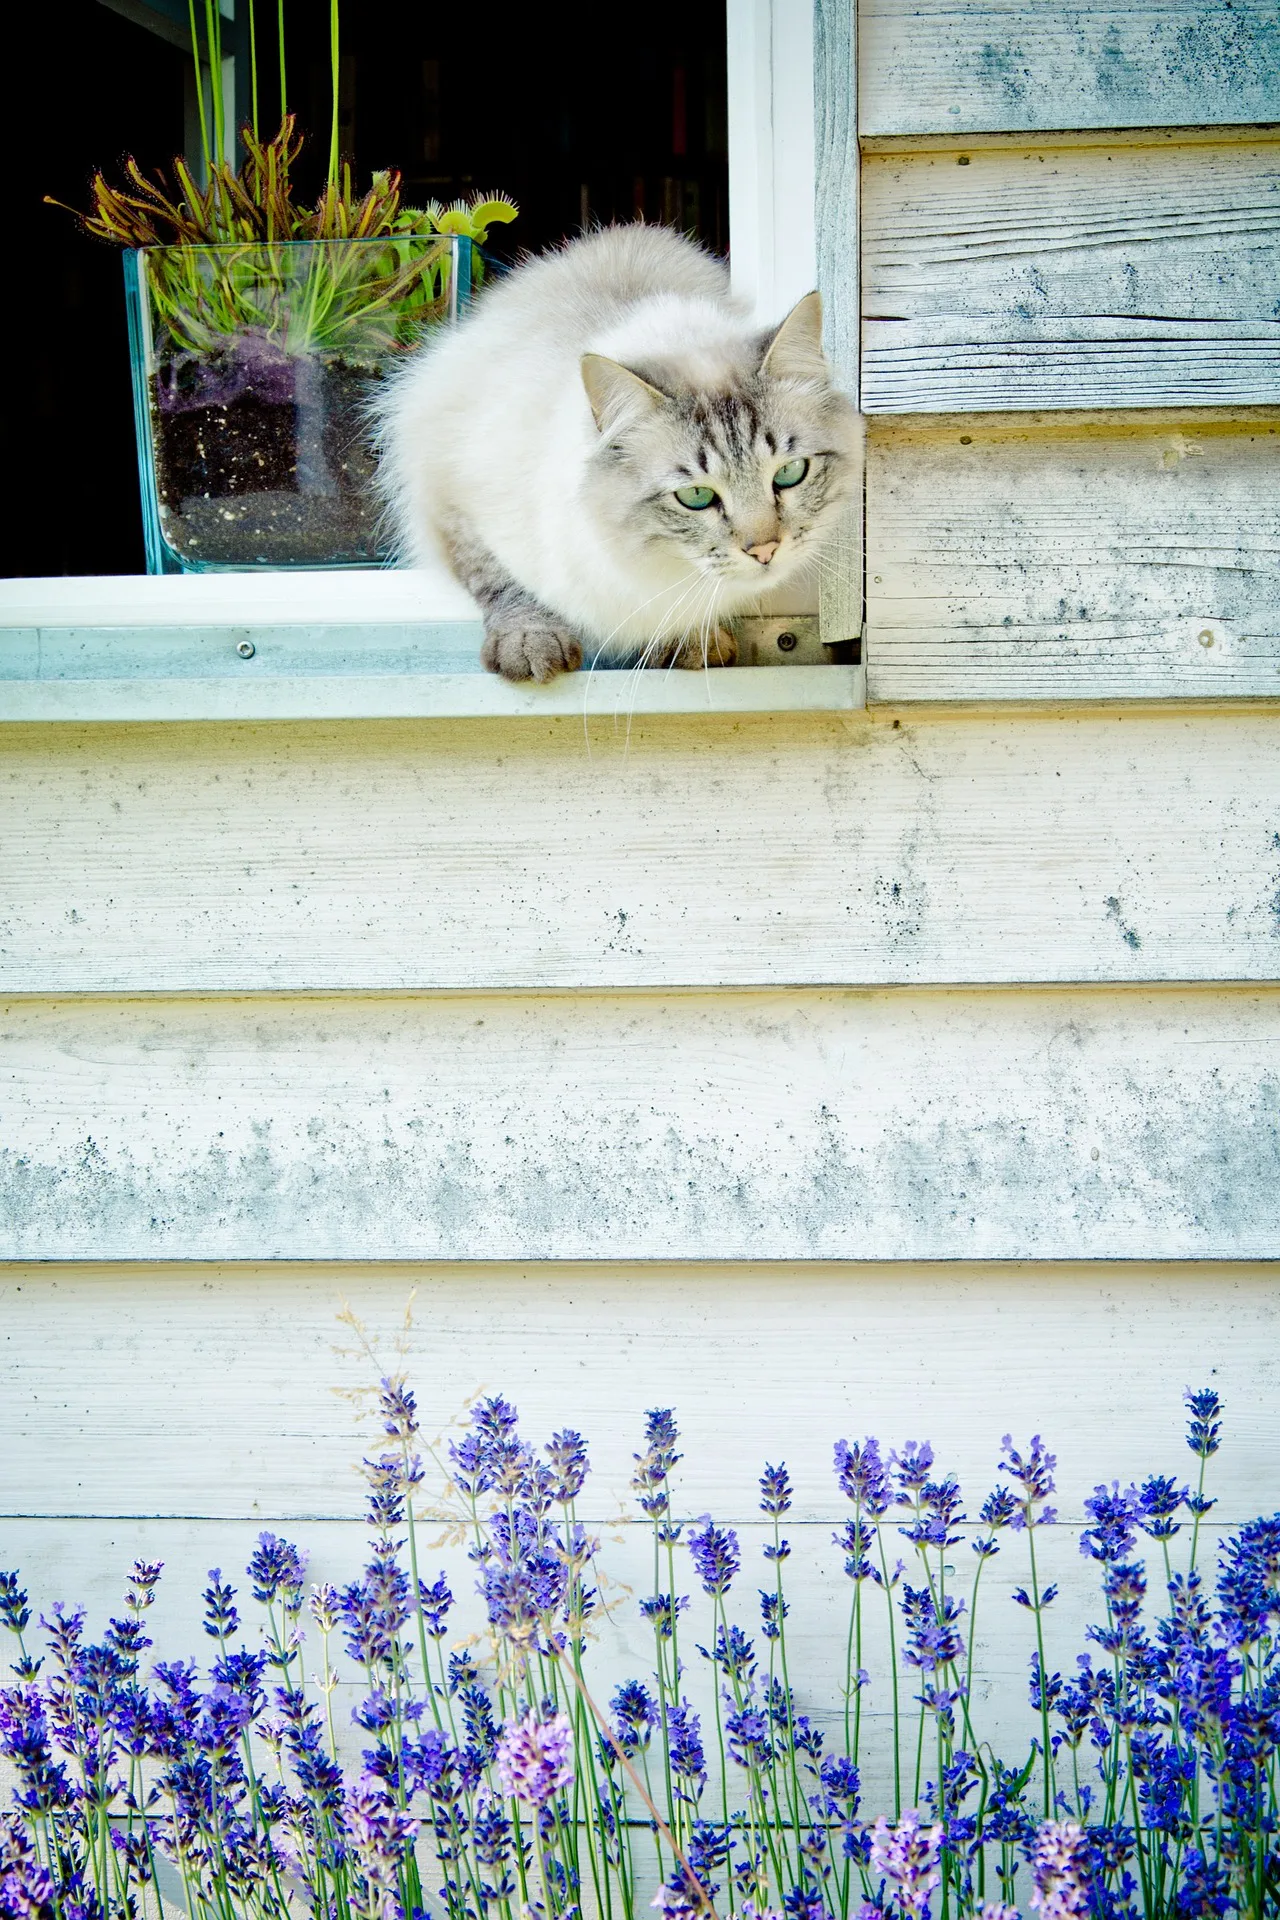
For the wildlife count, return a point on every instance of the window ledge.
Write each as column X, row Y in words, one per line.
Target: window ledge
column 299, row 646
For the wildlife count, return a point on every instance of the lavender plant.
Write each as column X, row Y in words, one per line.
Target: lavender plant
column 493, row 1784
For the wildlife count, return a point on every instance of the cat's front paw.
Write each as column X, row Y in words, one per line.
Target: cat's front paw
column 720, row 650
column 526, row 650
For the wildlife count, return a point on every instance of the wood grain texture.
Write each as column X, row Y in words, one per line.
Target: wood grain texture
column 1045, row 557
column 208, row 1396
column 836, row 184
column 1071, row 277
column 1015, row 66
column 1129, row 846
column 792, row 1125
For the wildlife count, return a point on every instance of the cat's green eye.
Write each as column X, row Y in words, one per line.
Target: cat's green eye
column 696, row 498
column 791, row 473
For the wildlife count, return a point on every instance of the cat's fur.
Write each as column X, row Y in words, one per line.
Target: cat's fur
column 538, row 446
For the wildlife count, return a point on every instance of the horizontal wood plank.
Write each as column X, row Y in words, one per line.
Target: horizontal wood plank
column 1024, row 277
column 791, row 1125
column 1017, row 66
column 1130, row 846
column 245, row 1368
column 1046, row 557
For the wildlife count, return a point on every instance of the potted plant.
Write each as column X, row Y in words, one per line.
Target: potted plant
column 259, row 326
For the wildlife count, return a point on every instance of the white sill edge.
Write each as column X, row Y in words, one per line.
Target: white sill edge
column 612, row 696
column 379, row 596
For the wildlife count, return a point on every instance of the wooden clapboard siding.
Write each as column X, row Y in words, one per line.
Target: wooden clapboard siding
column 207, row 1396
column 212, row 1392
column 1052, row 557
column 1012, row 277
column 964, row 66
column 836, row 225
column 799, row 1124
column 1093, row 847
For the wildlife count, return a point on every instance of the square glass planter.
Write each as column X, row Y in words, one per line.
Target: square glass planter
column 254, row 369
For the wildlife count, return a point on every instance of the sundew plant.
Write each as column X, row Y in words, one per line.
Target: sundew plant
column 497, row 1780
column 234, row 254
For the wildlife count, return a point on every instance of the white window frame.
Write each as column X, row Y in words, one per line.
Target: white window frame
column 772, row 249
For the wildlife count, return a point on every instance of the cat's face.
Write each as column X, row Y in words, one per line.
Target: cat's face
column 743, row 479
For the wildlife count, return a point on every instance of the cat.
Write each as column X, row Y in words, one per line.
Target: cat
column 609, row 457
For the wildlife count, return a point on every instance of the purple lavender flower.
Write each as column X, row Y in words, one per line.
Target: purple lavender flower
column 732, row 1652
column 435, row 1602
column 906, row 1857
column 27, row 1890
column 1060, row 1866
column 716, row 1555
column 636, row 1715
column 773, row 1611
column 567, row 1453
column 379, row 1834
column 688, row 1761
column 1155, row 1504
column 221, row 1619
column 1114, row 1518
column 1249, row 1582
column 14, row 1611
column 996, row 1910
column 911, row 1469
column 863, row 1476
column 534, row 1758
column 1033, row 1472
column 855, row 1540
column 1204, row 1429
column 653, row 1466
column 278, row 1572
column 775, row 1491
column 933, row 1640
column 398, row 1407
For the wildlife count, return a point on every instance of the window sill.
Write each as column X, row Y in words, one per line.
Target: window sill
column 279, row 646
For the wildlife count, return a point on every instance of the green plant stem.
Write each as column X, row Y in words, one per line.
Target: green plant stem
column 253, row 72
column 284, row 85
column 195, row 61
column 335, row 69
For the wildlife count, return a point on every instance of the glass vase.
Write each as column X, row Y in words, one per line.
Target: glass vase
column 256, row 370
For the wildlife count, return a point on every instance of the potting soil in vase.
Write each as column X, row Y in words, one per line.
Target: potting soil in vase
column 264, row 457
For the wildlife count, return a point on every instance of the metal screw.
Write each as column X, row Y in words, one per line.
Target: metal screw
column 246, row 649
column 787, row 643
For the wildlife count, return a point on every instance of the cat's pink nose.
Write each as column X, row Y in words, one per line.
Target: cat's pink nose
column 764, row 551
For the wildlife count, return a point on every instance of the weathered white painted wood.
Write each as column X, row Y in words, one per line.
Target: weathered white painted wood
column 426, row 695
column 1129, row 846
column 835, row 92
column 231, row 1375
column 792, row 1125
column 1045, row 557
column 1017, row 65
column 1071, row 277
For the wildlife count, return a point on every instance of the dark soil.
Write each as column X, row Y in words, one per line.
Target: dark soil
column 274, row 470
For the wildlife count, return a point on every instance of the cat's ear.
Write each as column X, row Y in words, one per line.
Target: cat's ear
column 614, row 390
column 795, row 351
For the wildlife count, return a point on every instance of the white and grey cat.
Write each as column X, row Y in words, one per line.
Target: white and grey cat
column 609, row 457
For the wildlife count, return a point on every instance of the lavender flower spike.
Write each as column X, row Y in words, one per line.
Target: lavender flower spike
column 1060, row 1864
column 907, row 1857
column 535, row 1758
column 716, row 1555
column 996, row 1910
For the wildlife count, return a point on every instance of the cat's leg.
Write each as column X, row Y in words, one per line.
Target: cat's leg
column 720, row 650
column 522, row 641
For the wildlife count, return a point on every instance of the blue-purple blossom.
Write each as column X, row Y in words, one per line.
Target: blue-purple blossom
column 906, row 1857
column 688, row 1762
column 1060, row 1866
column 775, row 1491
column 1114, row 1519
column 1204, row 1429
column 911, row 1469
column 1033, row 1472
column 635, row 1713
column 221, row 1618
column 435, row 1602
column 1156, row 1502
column 567, row 1453
column 716, row 1556
column 535, row 1758
column 278, row 1572
column 14, row 1611
column 398, row 1408
column 863, row 1476
column 933, row 1639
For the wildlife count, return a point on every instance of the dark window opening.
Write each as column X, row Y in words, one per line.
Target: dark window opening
column 585, row 115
